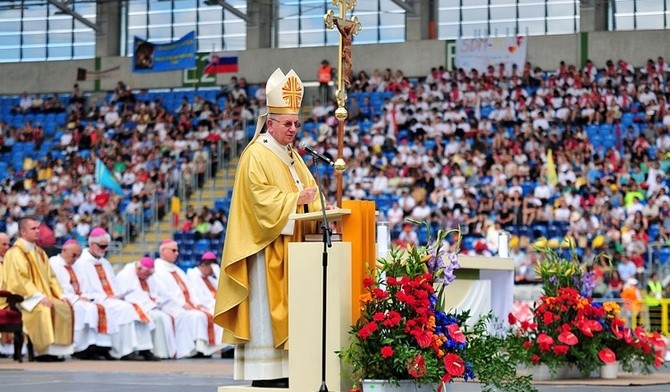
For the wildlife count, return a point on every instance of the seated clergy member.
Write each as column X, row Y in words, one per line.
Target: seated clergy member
column 99, row 281
column 136, row 279
column 92, row 328
column 204, row 279
column 47, row 318
column 175, row 283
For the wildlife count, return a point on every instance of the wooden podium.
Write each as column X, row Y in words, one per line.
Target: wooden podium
column 305, row 313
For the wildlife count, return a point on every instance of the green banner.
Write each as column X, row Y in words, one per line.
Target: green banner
column 196, row 77
column 451, row 54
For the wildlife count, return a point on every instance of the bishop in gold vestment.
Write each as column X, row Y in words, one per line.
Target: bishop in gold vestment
column 272, row 182
column 28, row 273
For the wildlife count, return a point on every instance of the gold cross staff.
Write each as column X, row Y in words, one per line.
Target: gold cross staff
column 347, row 28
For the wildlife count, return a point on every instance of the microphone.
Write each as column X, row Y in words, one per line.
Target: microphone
column 315, row 154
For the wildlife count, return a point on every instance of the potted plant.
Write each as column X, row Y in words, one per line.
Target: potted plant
column 404, row 336
column 569, row 329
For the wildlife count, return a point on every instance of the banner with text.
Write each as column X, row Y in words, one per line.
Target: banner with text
column 479, row 53
column 150, row 57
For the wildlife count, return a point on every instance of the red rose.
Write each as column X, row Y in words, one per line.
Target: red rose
column 367, row 281
column 391, row 281
column 393, row 319
column 535, row 358
column 511, row 319
column 568, row 338
column 454, row 365
column 386, row 352
column 379, row 293
column 367, row 330
column 548, row 318
column 606, row 355
column 527, row 344
column 379, row 316
column 560, row 349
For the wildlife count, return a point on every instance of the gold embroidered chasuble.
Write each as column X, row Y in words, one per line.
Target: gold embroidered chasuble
column 265, row 194
column 28, row 273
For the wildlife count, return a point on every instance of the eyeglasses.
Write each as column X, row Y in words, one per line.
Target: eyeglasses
column 287, row 124
column 103, row 246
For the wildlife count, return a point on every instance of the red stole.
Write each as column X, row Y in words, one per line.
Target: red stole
column 102, row 315
column 102, row 275
column 187, row 297
column 209, row 285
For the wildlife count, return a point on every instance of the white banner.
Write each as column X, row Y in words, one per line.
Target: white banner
column 479, row 53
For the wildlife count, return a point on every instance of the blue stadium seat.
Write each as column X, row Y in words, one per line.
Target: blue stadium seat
column 422, row 233
column 202, row 246
column 511, row 229
column 178, row 236
column 468, row 242
column 525, row 231
column 528, row 188
column 663, row 255
column 654, row 230
column 539, row 230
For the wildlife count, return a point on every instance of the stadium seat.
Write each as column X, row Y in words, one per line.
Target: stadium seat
column 468, row 242
column 525, row 231
column 202, row 246
column 654, row 230
column 663, row 255
column 539, row 231
column 178, row 236
column 422, row 233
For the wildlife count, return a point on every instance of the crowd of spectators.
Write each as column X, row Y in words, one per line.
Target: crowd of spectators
column 453, row 148
column 471, row 149
column 151, row 148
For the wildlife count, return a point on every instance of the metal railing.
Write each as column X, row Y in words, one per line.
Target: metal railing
column 638, row 314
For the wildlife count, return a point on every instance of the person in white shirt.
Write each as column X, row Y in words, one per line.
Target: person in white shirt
column 136, row 279
column 92, row 328
column 133, row 340
column 421, row 212
column 12, row 228
column 174, row 282
column 395, row 214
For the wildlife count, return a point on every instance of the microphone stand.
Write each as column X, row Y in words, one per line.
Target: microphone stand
column 327, row 243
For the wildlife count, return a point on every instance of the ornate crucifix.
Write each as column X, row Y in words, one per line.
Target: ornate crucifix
column 347, row 28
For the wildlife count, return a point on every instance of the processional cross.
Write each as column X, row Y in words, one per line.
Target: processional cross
column 347, row 28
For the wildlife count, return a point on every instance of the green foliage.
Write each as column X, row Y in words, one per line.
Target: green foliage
column 494, row 357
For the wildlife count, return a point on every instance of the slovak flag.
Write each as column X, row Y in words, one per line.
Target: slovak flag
column 222, row 62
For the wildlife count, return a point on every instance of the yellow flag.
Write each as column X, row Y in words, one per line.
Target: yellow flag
column 175, row 205
column 552, row 177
